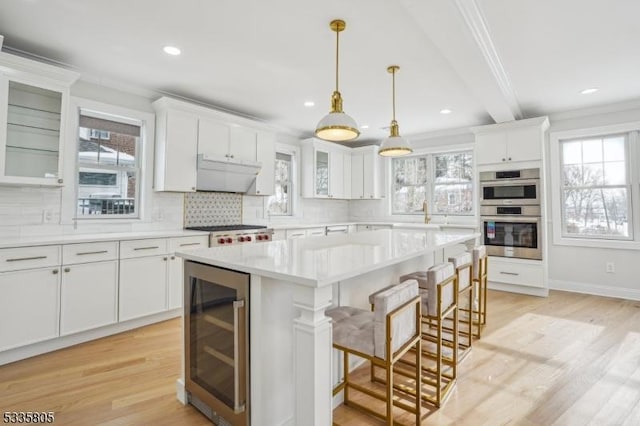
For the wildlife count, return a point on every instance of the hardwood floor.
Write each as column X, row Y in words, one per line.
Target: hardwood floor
column 567, row 359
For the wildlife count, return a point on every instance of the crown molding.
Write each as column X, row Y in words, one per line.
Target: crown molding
column 474, row 19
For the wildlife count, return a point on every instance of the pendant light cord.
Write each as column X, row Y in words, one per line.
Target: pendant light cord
column 337, row 56
column 393, row 92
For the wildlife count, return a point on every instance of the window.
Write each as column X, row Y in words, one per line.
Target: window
column 280, row 203
column 596, row 190
column 445, row 180
column 108, row 166
column 453, row 186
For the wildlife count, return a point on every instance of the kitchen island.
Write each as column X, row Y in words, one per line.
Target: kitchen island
column 292, row 283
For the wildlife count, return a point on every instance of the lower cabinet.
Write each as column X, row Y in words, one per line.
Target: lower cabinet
column 29, row 306
column 89, row 296
column 143, row 286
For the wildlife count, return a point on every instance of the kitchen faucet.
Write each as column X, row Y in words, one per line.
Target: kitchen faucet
column 425, row 209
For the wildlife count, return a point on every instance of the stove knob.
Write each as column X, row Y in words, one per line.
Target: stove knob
column 248, row 238
column 220, row 240
column 241, row 239
column 229, row 240
column 259, row 237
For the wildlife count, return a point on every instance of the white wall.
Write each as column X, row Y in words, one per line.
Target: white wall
column 582, row 269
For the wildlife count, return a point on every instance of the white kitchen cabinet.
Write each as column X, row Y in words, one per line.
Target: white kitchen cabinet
column 371, row 227
column 143, row 286
column 89, row 296
column 295, row 233
column 29, row 306
column 515, row 141
column 175, row 273
column 176, row 149
column 89, row 289
column 520, row 272
column 266, row 154
column 279, row 234
column 33, row 115
column 367, row 173
column 221, row 139
column 323, row 170
column 316, row 232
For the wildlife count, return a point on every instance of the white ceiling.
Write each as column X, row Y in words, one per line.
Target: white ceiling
column 487, row 60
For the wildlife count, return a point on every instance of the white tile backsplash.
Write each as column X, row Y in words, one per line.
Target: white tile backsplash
column 212, row 208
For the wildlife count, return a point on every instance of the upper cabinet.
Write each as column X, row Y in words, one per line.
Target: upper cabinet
column 184, row 130
column 326, row 170
column 33, row 115
column 367, row 173
column 515, row 141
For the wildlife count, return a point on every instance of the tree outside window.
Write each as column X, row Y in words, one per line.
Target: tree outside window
column 595, row 187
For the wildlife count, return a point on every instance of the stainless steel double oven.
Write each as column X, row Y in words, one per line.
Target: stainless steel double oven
column 510, row 213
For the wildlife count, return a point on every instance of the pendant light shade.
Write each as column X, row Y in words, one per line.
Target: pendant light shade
column 394, row 145
column 337, row 126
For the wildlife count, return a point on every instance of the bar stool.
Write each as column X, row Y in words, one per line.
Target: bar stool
column 480, row 264
column 463, row 266
column 382, row 337
column 439, row 295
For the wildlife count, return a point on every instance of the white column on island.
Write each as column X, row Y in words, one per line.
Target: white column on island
column 312, row 344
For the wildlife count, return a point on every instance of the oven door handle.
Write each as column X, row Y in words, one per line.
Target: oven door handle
column 239, row 357
column 511, row 182
column 518, row 219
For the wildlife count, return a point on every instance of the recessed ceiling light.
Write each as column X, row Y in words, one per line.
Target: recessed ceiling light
column 171, row 50
column 364, row 126
column 309, row 104
column 589, row 91
column 445, row 111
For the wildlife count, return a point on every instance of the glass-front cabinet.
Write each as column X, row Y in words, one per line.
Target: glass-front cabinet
column 322, row 174
column 33, row 104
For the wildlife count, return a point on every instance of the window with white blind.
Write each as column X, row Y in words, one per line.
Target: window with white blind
column 444, row 180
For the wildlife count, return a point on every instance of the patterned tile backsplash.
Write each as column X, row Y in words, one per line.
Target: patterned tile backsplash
column 212, row 208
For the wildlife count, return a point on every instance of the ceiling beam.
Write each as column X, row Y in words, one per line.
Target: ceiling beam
column 458, row 29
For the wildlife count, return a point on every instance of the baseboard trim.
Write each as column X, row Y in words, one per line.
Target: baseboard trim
column 513, row 288
column 595, row 289
column 54, row 344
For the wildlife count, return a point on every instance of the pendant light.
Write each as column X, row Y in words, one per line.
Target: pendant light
column 395, row 145
column 337, row 126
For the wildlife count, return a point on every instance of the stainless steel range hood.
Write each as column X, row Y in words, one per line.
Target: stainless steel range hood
column 225, row 174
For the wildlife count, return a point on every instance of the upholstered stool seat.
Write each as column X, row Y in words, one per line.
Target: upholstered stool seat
column 382, row 337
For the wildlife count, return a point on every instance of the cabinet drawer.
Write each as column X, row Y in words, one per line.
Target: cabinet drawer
column 14, row 259
column 188, row 243
column 89, row 252
column 316, row 232
column 295, row 233
column 505, row 271
column 142, row 248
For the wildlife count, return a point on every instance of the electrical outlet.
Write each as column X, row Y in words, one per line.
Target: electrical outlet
column 610, row 267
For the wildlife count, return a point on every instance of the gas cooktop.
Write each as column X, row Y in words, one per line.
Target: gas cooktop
column 219, row 228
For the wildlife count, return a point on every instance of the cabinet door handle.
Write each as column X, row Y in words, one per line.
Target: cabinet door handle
column 92, row 252
column 504, row 159
column 509, row 158
column 55, row 271
column 173, row 257
column 165, row 258
column 189, row 244
column 147, row 248
column 257, row 192
column 60, row 180
column 20, row 259
column 67, row 269
column 509, row 273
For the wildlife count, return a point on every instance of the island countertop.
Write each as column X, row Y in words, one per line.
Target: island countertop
column 318, row 262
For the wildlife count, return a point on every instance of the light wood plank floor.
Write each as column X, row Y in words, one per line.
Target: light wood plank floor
column 568, row 360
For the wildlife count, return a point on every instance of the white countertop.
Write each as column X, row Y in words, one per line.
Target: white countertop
column 400, row 225
column 321, row 261
column 46, row 240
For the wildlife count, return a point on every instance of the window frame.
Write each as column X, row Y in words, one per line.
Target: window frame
column 145, row 155
column 556, row 205
column 294, row 152
column 431, row 180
